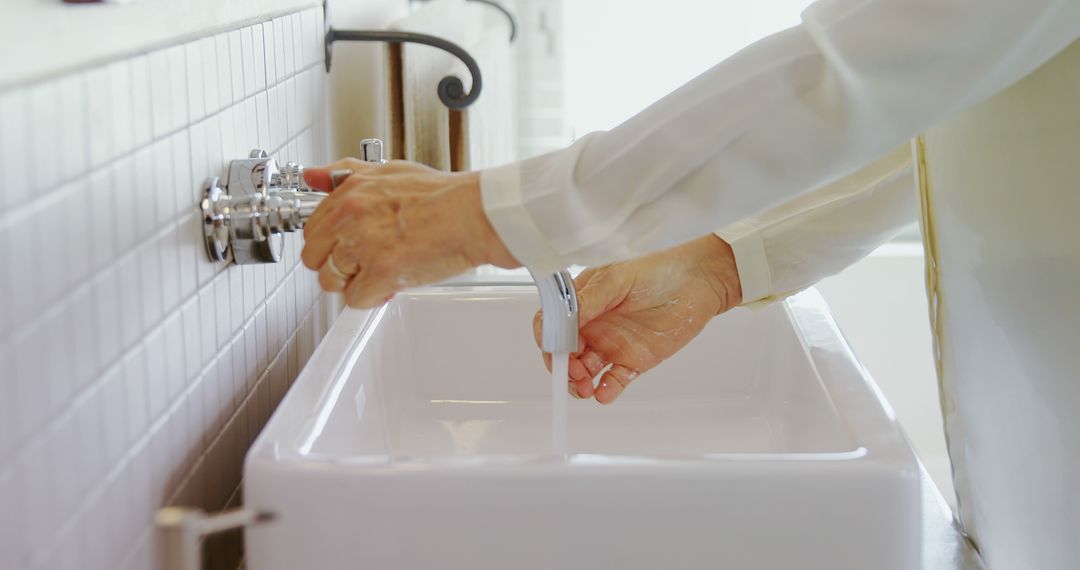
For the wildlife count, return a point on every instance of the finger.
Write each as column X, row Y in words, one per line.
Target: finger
column 614, row 383
column 576, row 370
column 316, row 251
column 547, row 360
column 340, row 199
column 323, row 214
column 594, row 364
column 319, row 179
column 571, row 389
column 538, row 328
column 330, row 280
column 583, row 387
column 345, row 257
column 369, row 289
column 320, row 241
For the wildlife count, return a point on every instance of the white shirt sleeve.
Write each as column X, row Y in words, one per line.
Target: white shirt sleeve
column 789, row 248
column 792, row 112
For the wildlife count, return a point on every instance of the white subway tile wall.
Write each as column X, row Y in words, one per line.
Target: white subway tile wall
column 134, row 372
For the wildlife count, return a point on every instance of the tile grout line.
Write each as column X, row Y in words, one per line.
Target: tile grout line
column 263, row 377
column 16, row 214
column 78, row 399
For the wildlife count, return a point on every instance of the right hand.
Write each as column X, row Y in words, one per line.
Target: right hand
column 396, row 225
column 635, row 314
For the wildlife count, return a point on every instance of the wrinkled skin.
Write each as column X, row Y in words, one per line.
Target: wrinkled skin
column 635, row 314
column 397, row 225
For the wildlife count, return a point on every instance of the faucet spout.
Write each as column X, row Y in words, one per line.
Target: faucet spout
column 559, row 304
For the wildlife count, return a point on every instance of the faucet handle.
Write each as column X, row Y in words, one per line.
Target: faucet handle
column 371, row 150
column 292, row 177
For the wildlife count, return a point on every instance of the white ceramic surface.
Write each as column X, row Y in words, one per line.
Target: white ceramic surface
column 418, row 436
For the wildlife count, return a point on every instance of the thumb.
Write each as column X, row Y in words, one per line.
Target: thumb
column 319, row 179
column 323, row 177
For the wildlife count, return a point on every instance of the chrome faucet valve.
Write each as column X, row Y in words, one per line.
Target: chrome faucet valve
column 237, row 215
column 292, row 177
column 257, row 204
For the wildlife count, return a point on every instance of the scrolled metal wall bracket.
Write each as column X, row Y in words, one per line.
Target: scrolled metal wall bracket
column 451, row 89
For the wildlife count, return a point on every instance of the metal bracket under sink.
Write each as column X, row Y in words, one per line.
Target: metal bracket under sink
column 183, row 530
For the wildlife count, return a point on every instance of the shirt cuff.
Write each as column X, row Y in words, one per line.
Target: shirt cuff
column 504, row 205
column 755, row 279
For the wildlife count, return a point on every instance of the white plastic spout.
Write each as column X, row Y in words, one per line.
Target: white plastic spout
column 559, row 304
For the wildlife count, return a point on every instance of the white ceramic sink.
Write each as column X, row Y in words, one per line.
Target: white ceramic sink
column 418, row 436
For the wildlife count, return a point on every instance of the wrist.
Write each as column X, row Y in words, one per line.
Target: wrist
column 718, row 263
column 485, row 245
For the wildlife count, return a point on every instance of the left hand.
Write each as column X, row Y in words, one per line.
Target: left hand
column 396, row 225
column 635, row 314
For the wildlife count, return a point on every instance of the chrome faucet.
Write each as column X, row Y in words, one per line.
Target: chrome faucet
column 259, row 202
column 559, row 305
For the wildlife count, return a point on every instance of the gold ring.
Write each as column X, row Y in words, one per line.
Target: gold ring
column 334, row 268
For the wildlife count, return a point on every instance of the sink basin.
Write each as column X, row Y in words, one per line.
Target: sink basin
column 418, row 436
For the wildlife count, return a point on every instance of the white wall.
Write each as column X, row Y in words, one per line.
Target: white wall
column 134, row 373
column 541, row 78
column 622, row 56
column 358, row 77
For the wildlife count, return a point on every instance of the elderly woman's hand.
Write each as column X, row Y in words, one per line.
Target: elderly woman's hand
column 396, row 225
column 634, row 315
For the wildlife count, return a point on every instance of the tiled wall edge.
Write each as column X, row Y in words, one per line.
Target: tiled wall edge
column 51, row 64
